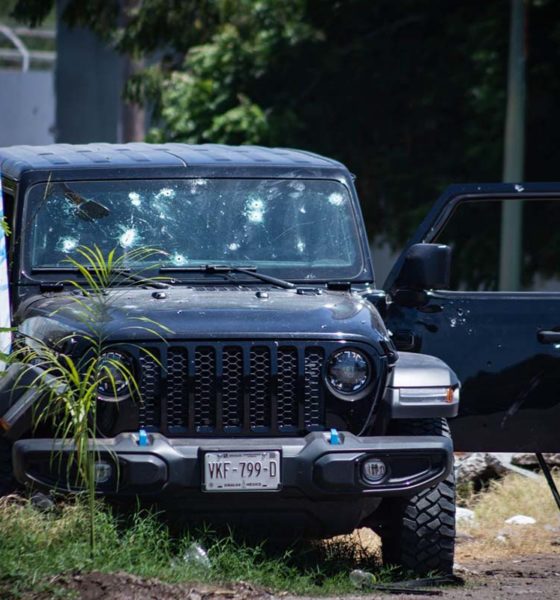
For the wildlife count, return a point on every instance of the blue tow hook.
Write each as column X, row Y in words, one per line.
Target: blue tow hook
column 143, row 439
column 335, row 438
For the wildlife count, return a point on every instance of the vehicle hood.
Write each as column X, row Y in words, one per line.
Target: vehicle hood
column 191, row 313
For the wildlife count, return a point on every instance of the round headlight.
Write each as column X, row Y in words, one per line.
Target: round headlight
column 113, row 380
column 348, row 371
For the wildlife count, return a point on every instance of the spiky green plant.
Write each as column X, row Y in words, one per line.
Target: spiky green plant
column 5, row 227
column 69, row 385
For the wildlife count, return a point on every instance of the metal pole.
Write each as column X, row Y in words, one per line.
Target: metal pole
column 511, row 253
column 549, row 479
column 21, row 47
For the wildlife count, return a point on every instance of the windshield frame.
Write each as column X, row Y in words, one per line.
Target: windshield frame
column 364, row 270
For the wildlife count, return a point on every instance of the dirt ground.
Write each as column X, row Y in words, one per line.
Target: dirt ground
column 123, row 586
column 530, row 577
column 535, row 577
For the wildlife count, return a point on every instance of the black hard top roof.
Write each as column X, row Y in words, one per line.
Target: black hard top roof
column 16, row 160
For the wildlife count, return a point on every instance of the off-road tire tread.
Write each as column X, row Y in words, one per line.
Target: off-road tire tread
column 420, row 534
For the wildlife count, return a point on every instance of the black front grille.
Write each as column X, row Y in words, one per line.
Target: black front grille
column 232, row 388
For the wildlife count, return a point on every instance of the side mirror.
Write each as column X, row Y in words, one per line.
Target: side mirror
column 425, row 267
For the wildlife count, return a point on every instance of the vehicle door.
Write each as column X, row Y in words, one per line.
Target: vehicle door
column 504, row 344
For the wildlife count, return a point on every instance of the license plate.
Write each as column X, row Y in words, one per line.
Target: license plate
column 242, row 471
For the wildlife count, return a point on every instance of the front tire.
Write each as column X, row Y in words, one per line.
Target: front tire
column 418, row 533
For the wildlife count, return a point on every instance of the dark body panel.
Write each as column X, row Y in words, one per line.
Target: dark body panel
column 510, row 397
column 188, row 312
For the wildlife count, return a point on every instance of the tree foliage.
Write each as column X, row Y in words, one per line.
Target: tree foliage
column 409, row 94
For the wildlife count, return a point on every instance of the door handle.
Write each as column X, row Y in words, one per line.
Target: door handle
column 548, row 337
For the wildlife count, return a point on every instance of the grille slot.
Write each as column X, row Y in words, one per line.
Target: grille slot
column 177, row 386
column 244, row 388
column 287, row 408
column 259, row 392
column 149, row 407
column 205, row 389
column 232, row 387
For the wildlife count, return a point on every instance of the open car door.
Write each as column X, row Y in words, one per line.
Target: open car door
column 504, row 345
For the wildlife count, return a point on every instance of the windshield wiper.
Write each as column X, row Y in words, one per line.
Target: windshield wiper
column 124, row 273
column 226, row 269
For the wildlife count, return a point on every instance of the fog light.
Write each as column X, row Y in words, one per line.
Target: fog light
column 103, row 472
column 373, row 470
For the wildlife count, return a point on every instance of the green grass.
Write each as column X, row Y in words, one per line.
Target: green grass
column 35, row 546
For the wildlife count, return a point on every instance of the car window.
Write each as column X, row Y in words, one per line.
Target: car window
column 301, row 229
column 473, row 231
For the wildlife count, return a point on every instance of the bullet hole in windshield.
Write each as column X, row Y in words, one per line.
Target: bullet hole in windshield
column 233, row 246
column 254, row 210
column 128, row 238
column 165, row 193
column 67, row 244
column 178, row 259
column 336, row 199
column 135, row 199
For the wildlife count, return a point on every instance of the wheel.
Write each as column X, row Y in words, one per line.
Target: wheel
column 7, row 482
column 418, row 533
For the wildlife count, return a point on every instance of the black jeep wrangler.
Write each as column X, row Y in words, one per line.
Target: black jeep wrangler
column 276, row 398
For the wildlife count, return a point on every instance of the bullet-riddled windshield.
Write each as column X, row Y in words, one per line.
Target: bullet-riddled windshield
column 294, row 228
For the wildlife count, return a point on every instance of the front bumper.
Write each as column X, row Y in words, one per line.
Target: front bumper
column 311, row 467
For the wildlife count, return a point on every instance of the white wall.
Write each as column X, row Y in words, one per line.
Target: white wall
column 27, row 107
